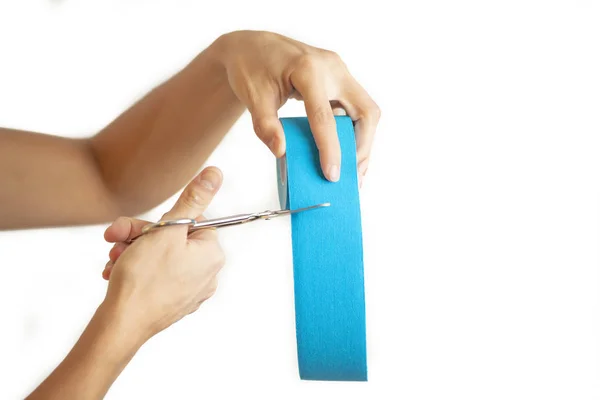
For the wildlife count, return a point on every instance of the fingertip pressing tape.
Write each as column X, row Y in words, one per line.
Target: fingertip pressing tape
column 327, row 255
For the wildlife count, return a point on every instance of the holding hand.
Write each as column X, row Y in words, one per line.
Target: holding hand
column 264, row 69
column 166, row 274
column 154, row 282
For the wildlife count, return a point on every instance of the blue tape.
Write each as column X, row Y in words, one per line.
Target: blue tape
column 328, row 256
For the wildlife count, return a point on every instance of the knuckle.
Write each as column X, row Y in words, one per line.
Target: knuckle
column 209, row 291
column 213, row 288
column 333, row 56
column 264, row 127
column 195, row 196
column 371, row 112
column 258, row 127
column 323, row 116
column 189, row 200
column 375, row 111
column 219, row 260
column 309, row 62
column 362, row 155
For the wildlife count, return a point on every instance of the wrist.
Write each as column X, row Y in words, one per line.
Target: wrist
column 208, row 73
column 122, row 325
column 104, row 349
column 212, row 59
column 227, row 47
column 218, row 50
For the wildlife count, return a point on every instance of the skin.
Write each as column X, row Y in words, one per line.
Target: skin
column 145, row 156
column 160, row 279
column 153, row 149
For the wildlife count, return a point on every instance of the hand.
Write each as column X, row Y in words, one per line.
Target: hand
column 166, row 274
column 265, row 69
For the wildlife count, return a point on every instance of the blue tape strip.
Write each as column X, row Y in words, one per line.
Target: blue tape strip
column 328, row 256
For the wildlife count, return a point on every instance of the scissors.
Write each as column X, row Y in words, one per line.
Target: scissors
column 223, row 221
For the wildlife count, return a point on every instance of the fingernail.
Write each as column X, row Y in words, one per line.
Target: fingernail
column 360, row 181
column 209, row 179
column 333, row 171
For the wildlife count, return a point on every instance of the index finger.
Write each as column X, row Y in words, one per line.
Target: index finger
column 322, row 123
column 124, row 229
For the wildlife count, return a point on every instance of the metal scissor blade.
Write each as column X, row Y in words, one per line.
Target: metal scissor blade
column 297, row 210
column 224, row 221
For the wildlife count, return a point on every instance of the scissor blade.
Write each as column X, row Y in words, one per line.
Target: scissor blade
column 297, row 210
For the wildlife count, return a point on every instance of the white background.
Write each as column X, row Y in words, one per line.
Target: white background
column 480, row 208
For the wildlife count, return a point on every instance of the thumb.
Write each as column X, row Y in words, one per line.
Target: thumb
column 197, row 195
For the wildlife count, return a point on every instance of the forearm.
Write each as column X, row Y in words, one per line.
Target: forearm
column 139, row 160
column 102, row 352
column 49, row 180
column 153, row 149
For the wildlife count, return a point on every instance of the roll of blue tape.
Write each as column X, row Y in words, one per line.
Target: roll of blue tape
column 327, row 251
